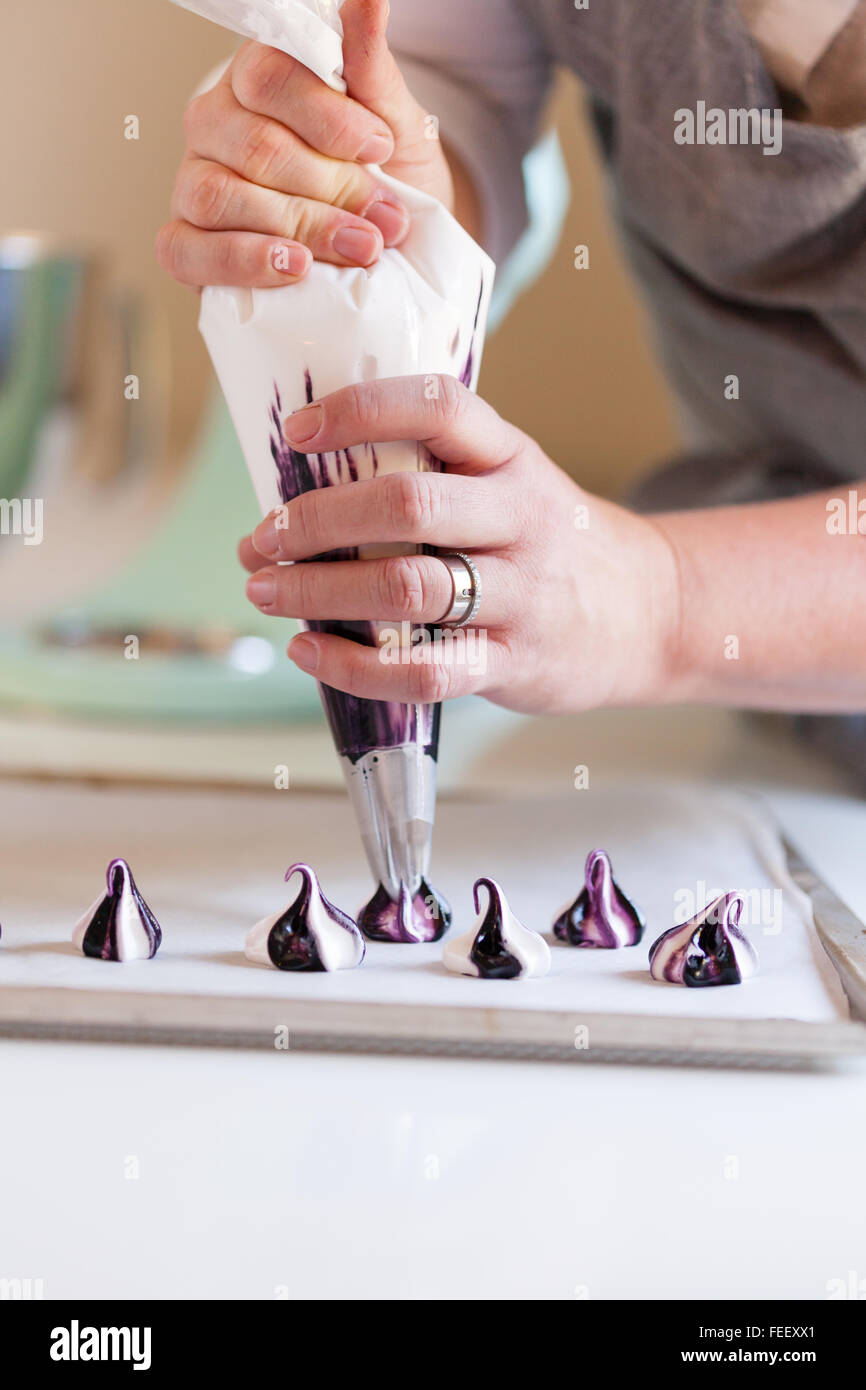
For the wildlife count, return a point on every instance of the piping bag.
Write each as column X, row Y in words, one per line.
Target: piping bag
column 421, row 309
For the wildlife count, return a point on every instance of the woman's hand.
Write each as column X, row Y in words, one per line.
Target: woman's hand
column 274, row 170
column 580, row 599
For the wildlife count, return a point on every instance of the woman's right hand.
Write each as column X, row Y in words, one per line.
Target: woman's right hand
column 274, row 173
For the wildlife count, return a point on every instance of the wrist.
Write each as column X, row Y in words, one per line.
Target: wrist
column 668, row 679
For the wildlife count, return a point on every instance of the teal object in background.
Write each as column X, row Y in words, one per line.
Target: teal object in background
column 186, row 578
column 188, row 574
column 36, row 300
column 547, row 191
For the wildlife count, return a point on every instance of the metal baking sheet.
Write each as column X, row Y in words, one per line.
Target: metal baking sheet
column 210, row 865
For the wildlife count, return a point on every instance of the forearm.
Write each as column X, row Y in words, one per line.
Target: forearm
column 772, row 612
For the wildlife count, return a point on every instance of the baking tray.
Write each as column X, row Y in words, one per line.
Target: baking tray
column 232, row 1017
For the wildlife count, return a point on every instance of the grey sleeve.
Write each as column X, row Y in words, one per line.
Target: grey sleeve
column 483, row 70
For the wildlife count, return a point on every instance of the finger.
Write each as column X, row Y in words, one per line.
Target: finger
column 272, row 84
column 216, row 199
column 463, row 664
column 250, row 558
column 370, row 69
column 452, row 422
column 401, row 588
column 264, row 152
column 406, row 508
column 195, row 257
column 374, row 79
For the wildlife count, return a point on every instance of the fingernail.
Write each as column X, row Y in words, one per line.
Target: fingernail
column 354, row 244
column 290, row 260
column 304, row 424
column 266, row 538
column 376, row 149
column 391, row 217
column 304, row 653
column 262, row 589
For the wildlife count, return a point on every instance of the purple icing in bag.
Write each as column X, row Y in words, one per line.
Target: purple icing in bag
column 421, row 309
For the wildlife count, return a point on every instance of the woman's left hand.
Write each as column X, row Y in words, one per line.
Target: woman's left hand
column 580, row 598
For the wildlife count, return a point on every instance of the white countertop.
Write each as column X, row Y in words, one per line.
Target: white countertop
column 390, row 1178
column 315, row 1175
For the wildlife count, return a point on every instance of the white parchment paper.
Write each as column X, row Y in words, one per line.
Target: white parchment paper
column 211, row 864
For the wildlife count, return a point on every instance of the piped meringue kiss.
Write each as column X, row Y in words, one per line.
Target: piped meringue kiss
column 601, row 915
column 709, row 949
column 310, row 934
column 410, row 917
column 498, row 947
column 119, row 925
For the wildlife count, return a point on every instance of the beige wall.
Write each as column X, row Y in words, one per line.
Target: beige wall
column 594, row 399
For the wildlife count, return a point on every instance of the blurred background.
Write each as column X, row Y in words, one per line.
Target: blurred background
column 130, row 611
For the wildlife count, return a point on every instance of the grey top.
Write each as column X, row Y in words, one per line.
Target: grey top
column 752, row 264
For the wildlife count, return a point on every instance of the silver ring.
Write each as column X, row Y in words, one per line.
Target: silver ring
column 465, row 592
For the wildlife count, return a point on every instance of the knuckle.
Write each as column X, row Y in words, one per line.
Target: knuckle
column 169, row 250
column 356, row 667
column 430, row 682
column 356, row 409
column 412, row 504
column 450, row 399
column 182, row 181
column 224, row 254
column 338, row 130
column 209, row 195
column 403, row 588
column 304, row 528
column 301, row 220
column 264, row 151
column 345, row 184
column 300, row 592
column 362, row 406
column 165, row 245
column 260, row 76
column 194, row 113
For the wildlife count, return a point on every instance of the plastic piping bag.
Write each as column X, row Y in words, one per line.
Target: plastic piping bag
column 421, row 309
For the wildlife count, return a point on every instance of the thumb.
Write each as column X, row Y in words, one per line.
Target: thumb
column 371, row 72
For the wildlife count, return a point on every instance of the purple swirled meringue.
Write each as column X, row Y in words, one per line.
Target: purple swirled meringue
column 498, row 947
column 709, row 949
column 310, row 934
column 601, row 915
column 416, row 917
column 119, row 925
